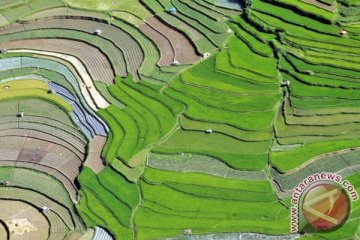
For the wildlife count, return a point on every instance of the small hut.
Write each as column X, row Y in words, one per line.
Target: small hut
column 51, row 91
column 310, row 72
column 175, row 62
column 208, row 131
column 20, row 114
column 285, row 83
column 187, row 231
column 44, row 209
column 343, row 32
column 97, row 32
column 206, row 55
column 172, row 10
column 3, row 50
column 4, row 182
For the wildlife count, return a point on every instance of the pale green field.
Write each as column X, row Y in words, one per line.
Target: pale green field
column 130, row 6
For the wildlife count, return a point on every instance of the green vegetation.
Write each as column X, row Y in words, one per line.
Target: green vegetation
column 195, row 201
column 138, row 125
column 202, row 25
column 12, row 11
column 200, row 164
column 287, row 160
column 129, row 6
column 209, row 148
column 31, row 89
column 46, row 187
column 343, row 163
column 237, row 154
column 108, row 201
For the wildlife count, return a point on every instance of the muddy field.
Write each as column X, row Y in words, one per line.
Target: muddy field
column 94, row 160
column 166, row 49
column 184, row 51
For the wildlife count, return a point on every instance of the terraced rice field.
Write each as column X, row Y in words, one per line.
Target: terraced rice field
column 90, row 56
column 174, row 46
column 174, row 119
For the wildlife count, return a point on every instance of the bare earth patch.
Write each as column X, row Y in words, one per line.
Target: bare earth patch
column 94, row 160
column 166, row 49
column 23, row 221
column 3, row 231
column 185, row 52
column 20, row 226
